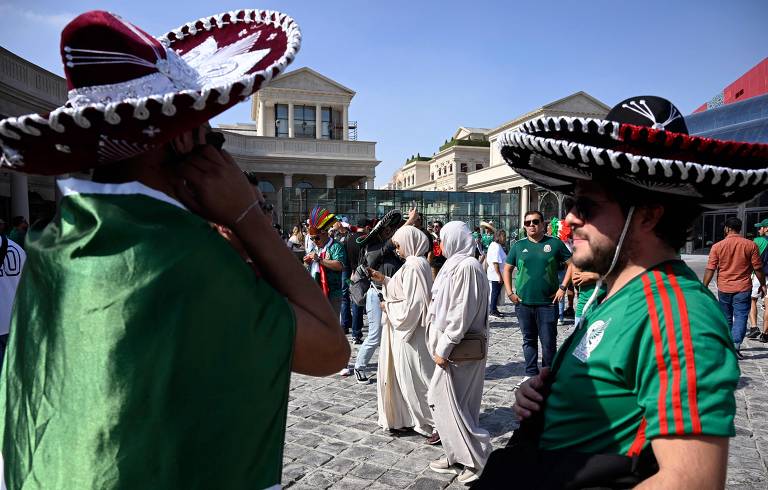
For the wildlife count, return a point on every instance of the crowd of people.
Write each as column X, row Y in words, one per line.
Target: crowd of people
column 157, row 318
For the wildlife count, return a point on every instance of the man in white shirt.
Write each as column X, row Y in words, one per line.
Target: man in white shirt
column 12, row 259
column 495, row 259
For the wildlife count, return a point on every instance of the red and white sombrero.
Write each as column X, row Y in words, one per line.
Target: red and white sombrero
column 130, row 92
column 644, row 142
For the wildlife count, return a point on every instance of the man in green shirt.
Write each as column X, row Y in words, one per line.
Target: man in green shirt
column 643, row 390
column 762, row 248
column 328, row 260
column 536, row 289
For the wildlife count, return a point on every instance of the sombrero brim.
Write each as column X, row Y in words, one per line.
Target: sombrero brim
column 556, row 152
column 487, row 225
column 231, row 56
column 392, row 218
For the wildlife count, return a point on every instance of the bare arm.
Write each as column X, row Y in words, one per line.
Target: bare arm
column 689, row 462
column 708, row 277
column 333, row 265
column 320, row 347
column 496, row 266
column 508, row 284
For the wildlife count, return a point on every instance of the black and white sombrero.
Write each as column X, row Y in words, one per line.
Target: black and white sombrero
column 392, row 218
column 644, row 142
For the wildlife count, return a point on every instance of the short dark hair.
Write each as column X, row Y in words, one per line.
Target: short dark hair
column 734, row 224
column 437, row 221
column 534, row 211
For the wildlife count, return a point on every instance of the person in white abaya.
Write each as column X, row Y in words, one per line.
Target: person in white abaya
column 459, row 306
column 405, row 364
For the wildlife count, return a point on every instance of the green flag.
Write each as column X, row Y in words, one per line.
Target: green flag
column 144, row 353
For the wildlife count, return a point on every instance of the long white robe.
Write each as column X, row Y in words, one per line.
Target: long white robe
column 405, row 365
column 455, row 393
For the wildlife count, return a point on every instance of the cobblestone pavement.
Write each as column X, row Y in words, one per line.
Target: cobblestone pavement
column 333, row 441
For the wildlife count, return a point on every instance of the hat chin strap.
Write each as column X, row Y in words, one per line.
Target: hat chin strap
column 601, row 279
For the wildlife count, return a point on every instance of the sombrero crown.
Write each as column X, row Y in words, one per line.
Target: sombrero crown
column 643, row 141
column 130, row 92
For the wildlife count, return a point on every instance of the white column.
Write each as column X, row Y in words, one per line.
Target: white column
column 287, row 180
column 318, row 121
column 523, row 203
column 261, row 120
column 345, row 118
column 329, row 180
column 19, row 195
column 369, row 183
column 290, row 119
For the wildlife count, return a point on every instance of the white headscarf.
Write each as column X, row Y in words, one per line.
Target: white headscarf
column 412, row 241
column 457, row 243
column 413, row 246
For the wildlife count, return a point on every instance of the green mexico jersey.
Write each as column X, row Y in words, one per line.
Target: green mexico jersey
column 655, row 359
column 335, row 251
column 762, row 244
column 144, row 353
column 537, row 262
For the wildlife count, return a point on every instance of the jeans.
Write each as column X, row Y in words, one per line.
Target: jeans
column 537, row 321
column 346, row 315
column 736, row 310
column 373, row 310
column 493, row 301
column 357, row 320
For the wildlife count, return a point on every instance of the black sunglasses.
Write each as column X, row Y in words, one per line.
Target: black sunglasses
column 585, row 208
column 534, row 222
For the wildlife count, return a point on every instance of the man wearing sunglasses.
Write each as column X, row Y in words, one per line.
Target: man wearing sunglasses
column 642, row 393
column 536, row 290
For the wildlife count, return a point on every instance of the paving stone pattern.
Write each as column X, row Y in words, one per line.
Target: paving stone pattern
column 333, row 441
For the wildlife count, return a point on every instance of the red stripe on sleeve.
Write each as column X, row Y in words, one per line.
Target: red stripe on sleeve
column 639, row 442
column 690, row 362
column 659, row 355
column 669, row 327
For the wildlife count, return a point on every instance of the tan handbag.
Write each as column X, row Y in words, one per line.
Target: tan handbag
column 473, row 347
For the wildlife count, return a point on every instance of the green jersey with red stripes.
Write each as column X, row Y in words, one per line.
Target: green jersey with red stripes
column 655, row 359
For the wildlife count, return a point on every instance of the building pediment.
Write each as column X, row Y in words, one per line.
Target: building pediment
column 307, row 79
column 578, row 103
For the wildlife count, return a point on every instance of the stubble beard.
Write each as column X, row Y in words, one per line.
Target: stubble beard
column 602, row 256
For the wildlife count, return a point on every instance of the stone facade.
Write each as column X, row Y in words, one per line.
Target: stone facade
column 301, row 136
column 482, row 169
column 26, row 88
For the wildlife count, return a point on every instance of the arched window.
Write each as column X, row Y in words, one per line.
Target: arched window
column 304, row 185
column 266, row 186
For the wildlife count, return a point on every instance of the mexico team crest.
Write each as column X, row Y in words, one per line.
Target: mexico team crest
column 591, row 340
column 547, row 248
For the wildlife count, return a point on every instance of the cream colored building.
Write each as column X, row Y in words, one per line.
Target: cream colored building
column 26, row 88
column 460, row 167
column 301, row 136
column 447, row 170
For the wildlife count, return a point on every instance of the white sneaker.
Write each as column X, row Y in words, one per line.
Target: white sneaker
column 468, row 476
column 347, row 371
column 441, row 465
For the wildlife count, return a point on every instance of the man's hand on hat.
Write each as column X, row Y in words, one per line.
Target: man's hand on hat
column 213, row 186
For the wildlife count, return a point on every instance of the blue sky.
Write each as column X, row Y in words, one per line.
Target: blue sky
column 421, row 69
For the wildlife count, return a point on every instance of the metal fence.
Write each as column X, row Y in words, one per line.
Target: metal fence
column 471, row 207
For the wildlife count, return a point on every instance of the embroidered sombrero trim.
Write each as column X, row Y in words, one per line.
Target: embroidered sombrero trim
column 585, row 155
column 84, row 115
column 621, row 132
